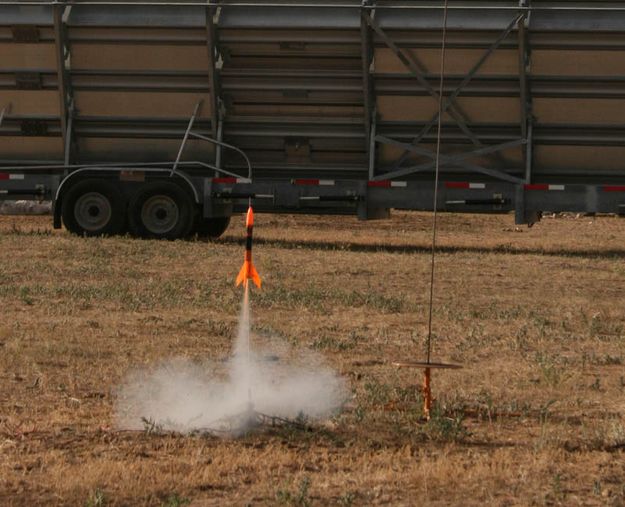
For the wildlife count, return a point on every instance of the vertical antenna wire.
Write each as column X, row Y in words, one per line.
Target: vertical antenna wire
column 436, row 178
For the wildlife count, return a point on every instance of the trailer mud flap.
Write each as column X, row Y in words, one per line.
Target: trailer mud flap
column 368, row 211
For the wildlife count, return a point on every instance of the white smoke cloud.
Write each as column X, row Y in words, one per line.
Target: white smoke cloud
column 271, row 379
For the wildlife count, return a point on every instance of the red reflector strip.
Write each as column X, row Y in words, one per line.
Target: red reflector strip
column 313, row 182
column 305, row 182
column 465, row 185
column 231, row 180
column 388, row 184
column 379, row 184
column 7, row 176
column 614, row 188
column 543, row 186
column 456, row 184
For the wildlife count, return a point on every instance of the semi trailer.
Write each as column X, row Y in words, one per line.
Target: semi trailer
column 164, row 118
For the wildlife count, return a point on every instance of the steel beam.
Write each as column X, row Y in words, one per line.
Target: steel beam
column 607, row 9
column 523, row 67
column 61, row 50
column 367, row 86
column 220, row 138
column 68, row 140
column 211, row 38
column 372, row 146
column 525, row 92
column 529, row 153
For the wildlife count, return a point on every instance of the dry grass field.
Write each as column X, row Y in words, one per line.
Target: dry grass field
column 535, row 316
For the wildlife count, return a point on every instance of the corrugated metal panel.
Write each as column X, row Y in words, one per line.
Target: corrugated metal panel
column 292, row 83
column 26, row 15
column 137, row 16
column 113, row 149
column 28, row 85
column 487, row 110
column 135, row 58
column 140, row 104
column 31, row 148
column 432, row 19
column 504, row 62
column 291, row 18
column 137, row 73
column 32, row 103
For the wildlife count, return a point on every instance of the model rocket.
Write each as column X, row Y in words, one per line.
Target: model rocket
column 248, row 271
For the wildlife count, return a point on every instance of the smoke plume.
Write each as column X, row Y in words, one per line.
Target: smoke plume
column 269, row 378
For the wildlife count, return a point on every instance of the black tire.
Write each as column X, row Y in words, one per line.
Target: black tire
column 161, row 210
column 212, row 228
column 94, row 207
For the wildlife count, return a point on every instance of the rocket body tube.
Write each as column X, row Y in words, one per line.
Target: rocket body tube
column 248, row 271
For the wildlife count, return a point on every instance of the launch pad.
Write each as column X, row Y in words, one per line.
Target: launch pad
column 427, row 367
column 250, row 420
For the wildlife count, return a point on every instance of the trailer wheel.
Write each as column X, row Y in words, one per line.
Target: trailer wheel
column 212, row 228
column 161, row 210
column 94, row 207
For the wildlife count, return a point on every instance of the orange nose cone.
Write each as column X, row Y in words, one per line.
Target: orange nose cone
column 249, row 221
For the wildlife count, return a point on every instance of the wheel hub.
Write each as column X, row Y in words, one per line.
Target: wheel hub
column 93, row 211
column 160, row 214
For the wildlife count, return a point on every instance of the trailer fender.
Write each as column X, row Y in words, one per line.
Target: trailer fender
column 81, row 172
column 76, row 176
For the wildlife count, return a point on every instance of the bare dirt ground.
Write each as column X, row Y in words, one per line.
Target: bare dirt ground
column 535, row 316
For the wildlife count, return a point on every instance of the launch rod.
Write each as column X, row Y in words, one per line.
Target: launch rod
column 439, row 138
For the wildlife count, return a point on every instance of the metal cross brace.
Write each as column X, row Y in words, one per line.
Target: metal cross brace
column 452, row 98
column 450, row 106
column 458, row 160
column 418, row 70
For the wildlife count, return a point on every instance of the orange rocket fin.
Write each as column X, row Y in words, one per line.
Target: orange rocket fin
column 254, row 276
column 243, row 273
column 248, row 272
